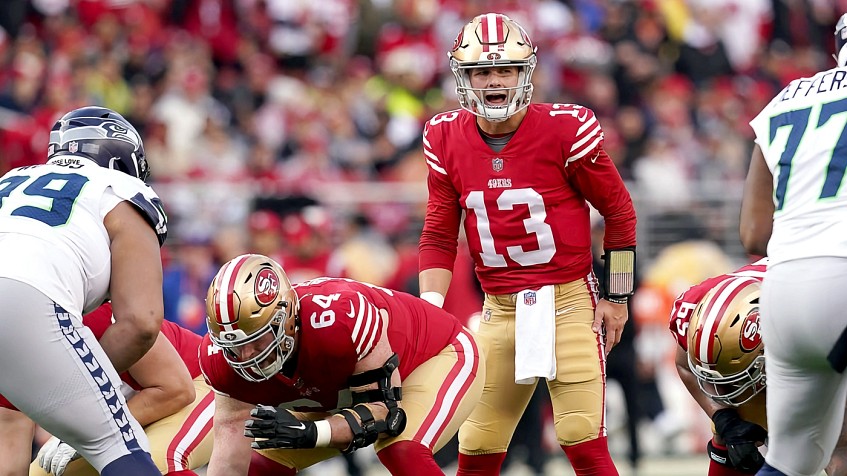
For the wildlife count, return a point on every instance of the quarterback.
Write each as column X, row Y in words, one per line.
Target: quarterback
column 720, row 359
column 523, row 175
column 75, row 231
column 330, row 365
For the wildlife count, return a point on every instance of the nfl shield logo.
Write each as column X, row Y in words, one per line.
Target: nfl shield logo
column 529, row 298
column 497, row 164
column 73, row 147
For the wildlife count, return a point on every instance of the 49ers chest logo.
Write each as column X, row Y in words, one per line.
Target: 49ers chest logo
column 751, row 336
column 266, row 287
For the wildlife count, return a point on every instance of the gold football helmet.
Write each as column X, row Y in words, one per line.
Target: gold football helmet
column 492, row 40
column 725, row 348
column 250, row 298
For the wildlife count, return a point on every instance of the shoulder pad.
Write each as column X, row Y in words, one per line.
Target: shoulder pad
column 145, row 200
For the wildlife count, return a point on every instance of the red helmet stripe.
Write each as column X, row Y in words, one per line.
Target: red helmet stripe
column 226, row 313
column 723, row 297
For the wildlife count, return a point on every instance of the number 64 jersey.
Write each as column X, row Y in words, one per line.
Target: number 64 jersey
column 52, row 235
column 526, row 216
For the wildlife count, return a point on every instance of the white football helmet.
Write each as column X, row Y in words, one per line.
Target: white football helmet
column 492, row 40
column 725, row 349
column 249, row 298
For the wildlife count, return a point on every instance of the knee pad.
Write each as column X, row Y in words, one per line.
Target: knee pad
column 575, row 428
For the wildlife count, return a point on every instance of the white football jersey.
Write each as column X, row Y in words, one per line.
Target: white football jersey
column 803, row 135
column 52, row 235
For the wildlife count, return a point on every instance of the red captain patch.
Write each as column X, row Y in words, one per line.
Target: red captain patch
column 266, row 287
column 751, row 337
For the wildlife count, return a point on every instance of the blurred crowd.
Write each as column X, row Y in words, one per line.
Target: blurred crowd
column 293, row 127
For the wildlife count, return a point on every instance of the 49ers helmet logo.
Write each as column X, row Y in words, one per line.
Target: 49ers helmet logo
column 458, row 41
column 266, row 287
column 751, row 336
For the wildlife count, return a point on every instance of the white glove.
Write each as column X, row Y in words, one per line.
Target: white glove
column 54, row 456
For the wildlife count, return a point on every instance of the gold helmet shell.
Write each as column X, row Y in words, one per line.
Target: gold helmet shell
column 492, row 40
column 249, row 298
column 725, row 349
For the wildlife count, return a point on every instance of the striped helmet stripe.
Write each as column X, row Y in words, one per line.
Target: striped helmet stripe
column 727, row 290
column 226, row 312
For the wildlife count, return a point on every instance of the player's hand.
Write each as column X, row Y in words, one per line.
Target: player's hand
column 611, row 317
column 55, row 455
column 280, row 428
column 742, row 439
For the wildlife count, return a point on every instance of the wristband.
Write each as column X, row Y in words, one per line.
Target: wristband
column 324, row 433
column 620, row 300
column 433, row 297
column 619, row 273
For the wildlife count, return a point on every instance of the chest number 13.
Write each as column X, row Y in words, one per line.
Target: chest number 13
column 534, row 224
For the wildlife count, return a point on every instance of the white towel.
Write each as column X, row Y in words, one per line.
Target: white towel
column 535, row 335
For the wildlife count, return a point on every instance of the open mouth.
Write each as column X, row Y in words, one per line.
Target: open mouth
column 497, row 98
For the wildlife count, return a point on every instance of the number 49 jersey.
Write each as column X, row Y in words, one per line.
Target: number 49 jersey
column 526, row 216
column 803, row 136
column 52, row 235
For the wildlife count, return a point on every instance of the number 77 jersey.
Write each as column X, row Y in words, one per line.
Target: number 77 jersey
column 526, row 214
column 803, row 136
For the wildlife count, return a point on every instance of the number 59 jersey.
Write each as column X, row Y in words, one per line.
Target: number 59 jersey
column 52, row 234
column 803, row 136
column 526, row 216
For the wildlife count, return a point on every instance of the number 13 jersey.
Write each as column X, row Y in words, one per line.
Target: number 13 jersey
column 52, row 235
column 526, row 207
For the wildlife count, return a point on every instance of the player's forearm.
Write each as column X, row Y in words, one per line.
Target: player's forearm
column 125, row 343
column 435, row 280
column 231, row 452
column 154, row 403
column 688, row 378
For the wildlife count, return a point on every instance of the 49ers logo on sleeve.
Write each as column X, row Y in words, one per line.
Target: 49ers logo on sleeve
column 750, row 337
column 266, row 287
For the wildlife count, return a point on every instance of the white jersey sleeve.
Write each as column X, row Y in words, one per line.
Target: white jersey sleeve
column 52, row 234
column 803, row 135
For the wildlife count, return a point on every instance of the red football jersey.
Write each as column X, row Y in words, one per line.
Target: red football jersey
column 526, row 207
column 339, row 324
column 184, row 341
column 684, row 305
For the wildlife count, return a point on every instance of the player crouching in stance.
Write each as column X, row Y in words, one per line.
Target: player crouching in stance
column 720, row 359
column 319, row 368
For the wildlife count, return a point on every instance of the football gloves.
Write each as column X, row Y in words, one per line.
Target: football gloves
column 741, row 438
column 55, row 455
column 280, row 429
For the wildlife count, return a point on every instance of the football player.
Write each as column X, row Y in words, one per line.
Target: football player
column 315, row 370
column 720, row 359
column 523, row 174
column 73, row 231
column 166, row 394
column 793, row 210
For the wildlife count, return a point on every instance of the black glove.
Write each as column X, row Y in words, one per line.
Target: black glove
column 740, row 437
column 281, row 428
